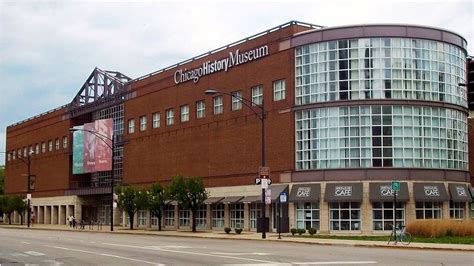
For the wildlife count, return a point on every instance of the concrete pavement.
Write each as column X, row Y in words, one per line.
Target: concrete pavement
column 253, row 236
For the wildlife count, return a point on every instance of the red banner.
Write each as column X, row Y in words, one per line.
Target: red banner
column 103, row 144
column 89, row 147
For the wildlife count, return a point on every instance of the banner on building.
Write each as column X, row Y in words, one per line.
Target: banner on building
column 78, row 151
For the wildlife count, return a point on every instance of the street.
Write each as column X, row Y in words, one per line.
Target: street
column 41, row 247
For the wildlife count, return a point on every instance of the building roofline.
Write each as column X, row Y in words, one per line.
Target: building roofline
column 40, row 115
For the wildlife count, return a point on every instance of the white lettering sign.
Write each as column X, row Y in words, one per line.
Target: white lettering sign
column 386, row 191
column 235, row 58
column 461, row 191
column 303, row 192
column 343, row 191
column 431, row 191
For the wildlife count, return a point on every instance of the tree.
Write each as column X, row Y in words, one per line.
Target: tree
column 2, row 178
column 18, row 204
column 156, row 201
column 7, row 207
column 131, row 199
column 190, row 194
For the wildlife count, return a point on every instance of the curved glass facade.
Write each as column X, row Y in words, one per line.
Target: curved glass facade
column 380, row 68
column 381, row 136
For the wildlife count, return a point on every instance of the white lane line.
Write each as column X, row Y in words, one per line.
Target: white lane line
column 17, row 254
column 334, row 262
column 240, row 254
column 23, row 242
column 107, row 255
column 34, row 253
column 190, row 253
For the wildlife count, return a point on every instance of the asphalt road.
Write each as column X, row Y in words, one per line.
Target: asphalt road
column 40, row 247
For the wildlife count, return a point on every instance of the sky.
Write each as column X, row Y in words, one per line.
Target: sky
column 49, row 48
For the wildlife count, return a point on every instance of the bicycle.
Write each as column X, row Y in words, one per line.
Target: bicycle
column 400, row 236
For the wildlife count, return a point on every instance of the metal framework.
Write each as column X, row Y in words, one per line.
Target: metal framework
column 101, row 89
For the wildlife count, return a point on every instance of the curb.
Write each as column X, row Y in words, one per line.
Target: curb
column 295, row 241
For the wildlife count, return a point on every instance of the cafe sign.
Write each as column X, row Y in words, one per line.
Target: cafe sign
column 461, row 191
column 343, row 191
column 303, row 192
column 431, row 191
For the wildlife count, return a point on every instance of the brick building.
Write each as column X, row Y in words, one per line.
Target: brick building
column 348, row 109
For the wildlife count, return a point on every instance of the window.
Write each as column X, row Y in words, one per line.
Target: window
column 56, row 144
column 156, row 120
column 131, row 126
column 184, row 113
column 201, row 216
column 169, row 117
column 19, row 153
column 154, row 219
column 279, row 90
column 50, row 145
column 237, row 215
column 456, row 210
column 141, row 218
column 236, row 100
column 428, row 210
column 255, row 209
column 200, row 109
column 183, row 218
column 14, row 155
column 43, row 147
column 24, row 151
column 344, row 216
column 218, row 215
column 168, row 213
column 37, row 148
column 31, row 151
column 307, row 215
column 382, row 215
column 257, row 95
column 218, row 105
column 9, row 156
column 142, row 123
column 64, row 142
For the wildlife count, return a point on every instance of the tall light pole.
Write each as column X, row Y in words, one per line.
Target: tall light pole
column 111, row 146
column 261, row 115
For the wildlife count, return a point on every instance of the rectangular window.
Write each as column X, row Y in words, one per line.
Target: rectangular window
column 279, row 90
column 9, row 156
column 456, row 210
column 154, row 220
column 382, row 215
column 14, row 155
column 156, row 120
column 183, row 218
column 218, row 105
column 200, row 109
column 142, row 123
column 169, row 117
column 428, row 210
column 255, row 209
column 184, row 113
column 43, row 147
column 24, row 152
column 141, row 218
column 217, row 215
column 50, row 145
column 201, row 216
column 344, row 216
column 37, row 148
column 168, row 213
column 19, row 153
column 257, row 95
column 57, row 144
column 237, row 215
column 131, row 126
column 64, row 142
column 236, row 100
column 307, row 215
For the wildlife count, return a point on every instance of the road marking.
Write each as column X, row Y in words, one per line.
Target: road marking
column 107, row 255
column 34, row 253
column 16, row 254
column 53, row 262
column 23, row 242
column 240, row 254
column 334, row 262
column 191, row 253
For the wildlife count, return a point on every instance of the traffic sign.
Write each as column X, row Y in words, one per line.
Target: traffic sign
column 283, row 197
column 268, row 196
column 264, row 172
column 396, row 185
column 257, row 180
column 264, row 182
column 28, row 196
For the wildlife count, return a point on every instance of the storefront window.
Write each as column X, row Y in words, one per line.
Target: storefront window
column 456, row 210
column 154, row 220
column 237, row 215
column 382, row 215
column 344, row 216
column 218, row 215
column 428, row 210
column 169, row 215
column 183, row 218
column 201, row 216
column 141, row 218
column 255, row 210
column 307, row 215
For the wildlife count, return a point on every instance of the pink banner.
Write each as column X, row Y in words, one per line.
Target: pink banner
column 89, row 148
column 103, row 144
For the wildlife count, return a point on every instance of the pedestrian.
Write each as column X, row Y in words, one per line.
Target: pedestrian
column 32, row 217
column 69, row 219
column 74, row 222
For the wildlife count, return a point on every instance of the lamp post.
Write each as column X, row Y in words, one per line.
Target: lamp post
column 27, row 160
column 262, row 117
column 111, row 146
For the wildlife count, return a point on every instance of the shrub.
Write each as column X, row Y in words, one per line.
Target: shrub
column 437, row 228
column 227, row 230
column 293, row 231
column 301, row 231
column 312, row 231
column 238, row 230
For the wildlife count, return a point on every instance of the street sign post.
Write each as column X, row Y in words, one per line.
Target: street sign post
column 396, row 185
column 283, row 197
column 264, row 172
column 264, row 183
column 395, row 189
column 282, row 200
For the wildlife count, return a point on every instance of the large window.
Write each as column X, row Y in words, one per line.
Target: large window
column 237, row 215
column 307, row 215
column 156, row 120
column 236, row 100
column 131, row 126
column 218, row 105
column 141, row 218
column 183, row 218
column 382, row 215
column 380, row 68
column 168, row 214
column 257, row 95
column 456, row 210
column 184, row 113
column 200, row 109
column 142, row 123
column 344, row 216
column 381, row 136
column 169, row 117
column 255, row 210
column 154, row 220
column 201, row 216
column 279, row 88
column 429, row 210
column 217, row 215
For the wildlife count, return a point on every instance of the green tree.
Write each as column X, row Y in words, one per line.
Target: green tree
column 18, row 204
column 7, row 207
column 156, row 201
column 2, row 178
column 131, row 199
column 190, row 194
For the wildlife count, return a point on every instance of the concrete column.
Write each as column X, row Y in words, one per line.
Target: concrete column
column 226, row 215
column 135, row 220
column 62, row 214
column 292, row 214
column 40, row 215
column 176, row 216
column 116, row 216
column 47, row 215
column 410, row 211
column 366, row 211
column 148, row 219
column 124, row 219
column 246, row 217
column 208, row 217
column 78, row 212
column 15, row 217
column 54, row 214
column 445, row 210
column 324, row 218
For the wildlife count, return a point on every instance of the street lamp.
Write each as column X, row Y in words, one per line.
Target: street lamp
column 112, row 140
column 27, row 160
column 261, row 115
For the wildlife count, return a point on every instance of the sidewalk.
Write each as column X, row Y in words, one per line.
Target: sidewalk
column 252, row 236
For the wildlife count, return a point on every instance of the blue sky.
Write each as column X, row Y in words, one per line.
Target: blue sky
column 48, row 48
